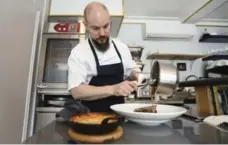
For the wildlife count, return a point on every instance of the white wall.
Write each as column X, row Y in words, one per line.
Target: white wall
column 132, row 33
column 17, row 34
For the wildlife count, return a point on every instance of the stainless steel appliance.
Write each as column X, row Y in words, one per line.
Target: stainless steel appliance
column 45, row 116
column 53, row 76
column 136, row 53
column 48, row 106
column 53, row 70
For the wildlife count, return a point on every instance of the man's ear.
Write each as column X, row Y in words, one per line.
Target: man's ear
column 110, row 23
column 86, row 27
column 85, row 24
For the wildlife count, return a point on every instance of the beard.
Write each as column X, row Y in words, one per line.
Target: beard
column 101, row 46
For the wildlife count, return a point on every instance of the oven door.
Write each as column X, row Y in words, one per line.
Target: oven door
column 53, row 69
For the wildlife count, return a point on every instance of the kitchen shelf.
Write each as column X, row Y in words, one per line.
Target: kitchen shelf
column 215, row 57
column 220, row 64
column 168, row 56
column 63, row 33
column 205, row 82
column 214, row 38
column 135, row 47
column 223, row 70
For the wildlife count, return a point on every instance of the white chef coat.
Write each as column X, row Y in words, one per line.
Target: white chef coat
column 82, row 65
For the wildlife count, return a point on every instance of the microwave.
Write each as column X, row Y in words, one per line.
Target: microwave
column 53, row 68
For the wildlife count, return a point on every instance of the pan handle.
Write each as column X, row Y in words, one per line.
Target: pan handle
column 118, row 119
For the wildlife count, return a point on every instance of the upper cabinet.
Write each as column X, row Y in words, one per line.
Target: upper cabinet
column 76, row 7
column 210, row 11
column 69, row 8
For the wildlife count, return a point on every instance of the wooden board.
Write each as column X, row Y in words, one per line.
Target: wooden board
column 203, row 101
column 84, row 138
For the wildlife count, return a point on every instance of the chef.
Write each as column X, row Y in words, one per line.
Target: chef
column 101, row 69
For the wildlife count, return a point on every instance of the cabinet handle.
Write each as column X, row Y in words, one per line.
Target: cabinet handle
column 41, row 86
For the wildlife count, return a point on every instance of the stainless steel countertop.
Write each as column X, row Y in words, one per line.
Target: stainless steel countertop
column 176, row 131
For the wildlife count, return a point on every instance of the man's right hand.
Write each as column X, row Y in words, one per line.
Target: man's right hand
column 124, row 89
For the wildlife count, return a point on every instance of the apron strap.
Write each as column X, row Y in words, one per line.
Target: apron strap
column 118, row 53
column 94, row 53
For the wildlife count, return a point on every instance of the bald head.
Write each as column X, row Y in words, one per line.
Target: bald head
column 95, row 9
column 97, row 23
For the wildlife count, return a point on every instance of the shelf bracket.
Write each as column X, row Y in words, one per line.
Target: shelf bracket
column 173, row 60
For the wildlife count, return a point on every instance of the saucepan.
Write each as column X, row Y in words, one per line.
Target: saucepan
column 75, row 112
column 166, row 76
column 163, row 79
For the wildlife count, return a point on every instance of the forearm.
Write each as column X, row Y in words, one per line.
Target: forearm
column 88, row 92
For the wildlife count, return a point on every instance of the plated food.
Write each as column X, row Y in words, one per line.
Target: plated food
column 148, row 109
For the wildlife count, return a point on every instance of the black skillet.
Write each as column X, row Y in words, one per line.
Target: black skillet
column 77, row 108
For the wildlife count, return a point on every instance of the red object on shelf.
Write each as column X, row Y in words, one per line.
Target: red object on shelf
column 67, row 27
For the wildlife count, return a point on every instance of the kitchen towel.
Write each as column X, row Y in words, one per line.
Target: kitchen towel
column 71, row 107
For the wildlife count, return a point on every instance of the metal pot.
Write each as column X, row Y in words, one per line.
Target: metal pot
column 166, row 77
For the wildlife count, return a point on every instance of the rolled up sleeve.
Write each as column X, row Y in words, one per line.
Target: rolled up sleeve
column 77, row 71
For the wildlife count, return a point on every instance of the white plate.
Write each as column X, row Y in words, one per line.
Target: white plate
column 164, row 113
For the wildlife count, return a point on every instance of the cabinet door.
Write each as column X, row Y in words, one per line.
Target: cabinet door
column 76, row 7
column 43, row 119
